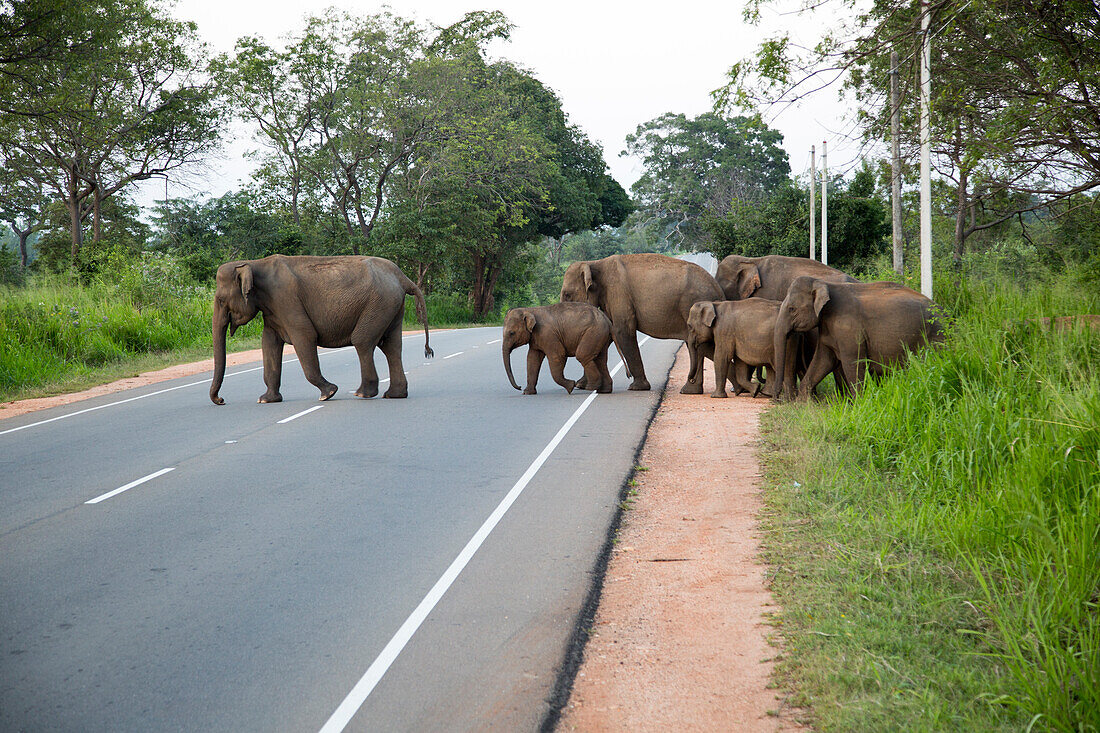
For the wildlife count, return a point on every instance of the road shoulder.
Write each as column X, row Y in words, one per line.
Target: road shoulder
column 680, row 639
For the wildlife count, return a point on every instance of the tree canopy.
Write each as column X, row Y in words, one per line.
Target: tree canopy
column 1015, row 93
column 702, row 167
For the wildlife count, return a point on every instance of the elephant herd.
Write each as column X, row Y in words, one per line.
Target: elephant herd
column 798, row 318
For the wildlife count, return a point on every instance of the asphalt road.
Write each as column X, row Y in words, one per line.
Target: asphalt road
column 377, row 564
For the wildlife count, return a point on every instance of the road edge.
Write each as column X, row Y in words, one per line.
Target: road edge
column 578, row 640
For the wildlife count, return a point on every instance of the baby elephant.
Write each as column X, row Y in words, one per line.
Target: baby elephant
column 742, row 332
column 556, row 332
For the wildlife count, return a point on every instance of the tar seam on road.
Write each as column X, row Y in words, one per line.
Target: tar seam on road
column 129, row 486
column 347, row 709
column 574, row 651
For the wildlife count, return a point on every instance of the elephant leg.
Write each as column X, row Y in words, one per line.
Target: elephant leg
column 272, row 345
column 391, row 347
column 306, row 348
column 557, row 371
column 606, row 384
column 593, row 378
column 627, row 339
column 368, row 374
column 722, row 357
column 588, row 352
column 694, row 384
column 534, row 365
column 824, row 361
column 742, row 377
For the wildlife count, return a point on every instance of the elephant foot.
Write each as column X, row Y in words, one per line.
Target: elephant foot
column 692, row 388
column 604, row 390
column 755, row 391
column 267, row 397
column 328, row 392
column 530, row 390
column 639, row 385
column 719, row 394
column 396, row 393
column 581, row 383
column 367, row 391
column 569, row 385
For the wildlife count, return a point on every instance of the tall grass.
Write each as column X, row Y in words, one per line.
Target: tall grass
column 941, row 556
column 55, row 332
column 57, row 335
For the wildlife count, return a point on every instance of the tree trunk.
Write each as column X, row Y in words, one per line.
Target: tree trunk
column 486, row 274
column 23, row 236
column 961, row 211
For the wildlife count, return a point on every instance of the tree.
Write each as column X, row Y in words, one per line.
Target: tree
column 23, row 203
column 858, row 224
column 701, row 167
column 1016, row 97
column 90, row 118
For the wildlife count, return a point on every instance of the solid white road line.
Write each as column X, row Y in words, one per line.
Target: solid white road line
column 299, row 414
column 363, row 688
column 141, row 397
column 494, row 341
column 448, row 356
column 129, row 486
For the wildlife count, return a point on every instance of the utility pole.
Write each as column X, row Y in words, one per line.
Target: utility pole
column 824, row 204
column 813, row 202
column 895, row 160
column 925, row 152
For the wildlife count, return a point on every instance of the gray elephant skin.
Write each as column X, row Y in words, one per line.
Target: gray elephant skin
column 556, row 332
column 862, row 327
column 650, row 293
column 316, row 301
column 742, row 334
column 770, row 276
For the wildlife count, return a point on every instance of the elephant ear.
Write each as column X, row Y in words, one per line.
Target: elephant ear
column 821, row 296
column 748, row 280
column 529, row 321
column 586, row 271
column 244, row 274
column 710, row 315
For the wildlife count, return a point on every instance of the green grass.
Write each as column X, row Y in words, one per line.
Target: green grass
column 57, row 337
column 935, row 542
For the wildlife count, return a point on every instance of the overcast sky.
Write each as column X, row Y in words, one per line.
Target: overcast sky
column 614, row 65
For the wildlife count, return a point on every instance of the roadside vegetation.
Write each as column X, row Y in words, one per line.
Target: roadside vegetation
column 933, row 542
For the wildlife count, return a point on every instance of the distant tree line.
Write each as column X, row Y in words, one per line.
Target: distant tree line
column 377, row 135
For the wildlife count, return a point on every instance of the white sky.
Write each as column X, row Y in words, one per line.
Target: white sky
column 614, row 65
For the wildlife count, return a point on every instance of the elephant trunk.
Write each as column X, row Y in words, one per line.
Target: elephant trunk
column 782, row 331
column 506, row 350
column 695, row 363
column 220, row 324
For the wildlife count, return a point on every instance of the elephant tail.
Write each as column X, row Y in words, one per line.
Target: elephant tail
column 421, row 311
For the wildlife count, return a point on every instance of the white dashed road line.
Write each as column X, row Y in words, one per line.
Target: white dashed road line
column 129, row 486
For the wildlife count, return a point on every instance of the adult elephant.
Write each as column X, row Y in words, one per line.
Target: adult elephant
column 861, row 327
column 650, row 293
column 317, row 301
column 770, row 276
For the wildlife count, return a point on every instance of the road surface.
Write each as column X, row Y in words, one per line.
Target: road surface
column 415, row 564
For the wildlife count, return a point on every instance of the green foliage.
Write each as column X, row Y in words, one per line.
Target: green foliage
column 702, row 168
column 11, row 272
column 937, row 534
column 53, row 331
column 859, row 224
